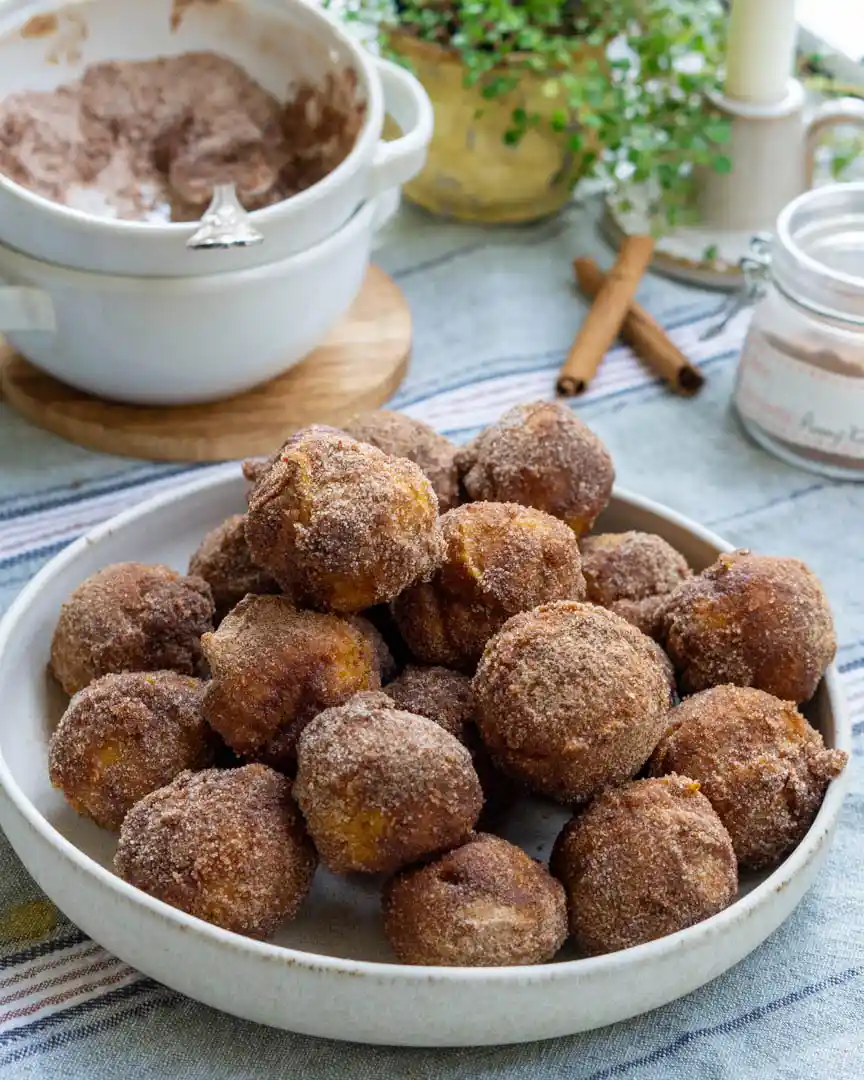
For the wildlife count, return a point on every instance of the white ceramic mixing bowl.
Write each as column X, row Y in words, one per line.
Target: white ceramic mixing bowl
column 280, row 43
column 173, row 341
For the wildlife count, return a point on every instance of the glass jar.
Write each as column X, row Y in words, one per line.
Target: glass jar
column 800, row 385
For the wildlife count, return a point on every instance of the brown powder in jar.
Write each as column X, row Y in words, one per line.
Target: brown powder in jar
column 823, row 360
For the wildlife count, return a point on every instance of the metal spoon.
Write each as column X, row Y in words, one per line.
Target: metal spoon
column 224, row 224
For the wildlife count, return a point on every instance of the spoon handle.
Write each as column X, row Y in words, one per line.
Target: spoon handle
column 224, row 224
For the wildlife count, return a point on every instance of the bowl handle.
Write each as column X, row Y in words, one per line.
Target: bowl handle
column 25, row 309
column 397, row 161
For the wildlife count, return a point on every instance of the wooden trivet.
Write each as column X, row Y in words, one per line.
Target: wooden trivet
column 358, row 367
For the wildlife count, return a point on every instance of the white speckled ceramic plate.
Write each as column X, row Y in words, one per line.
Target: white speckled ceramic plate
column 330, row 973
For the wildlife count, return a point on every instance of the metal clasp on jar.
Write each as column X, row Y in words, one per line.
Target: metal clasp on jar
column 756, row 269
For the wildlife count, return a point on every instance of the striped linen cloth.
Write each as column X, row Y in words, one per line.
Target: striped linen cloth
column 495, row 312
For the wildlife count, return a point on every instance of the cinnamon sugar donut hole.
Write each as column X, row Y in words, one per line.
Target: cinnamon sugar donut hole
column 124, row 736
column 227, row 846
column 446, row 697
column 571, row 699
column 751, row 620
column 342, row 526
column 500, row 559
column 280, row 753
column 403, row 436
column 632, row 573
column 222, row 559
column 381, row 788
column 540, row 455
column 274, row 667
column 484, row 904
column 131, row 617
column 762, row 767
column 437, row 693
column 642, row 861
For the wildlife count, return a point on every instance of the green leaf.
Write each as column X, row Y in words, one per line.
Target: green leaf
column 718, row 131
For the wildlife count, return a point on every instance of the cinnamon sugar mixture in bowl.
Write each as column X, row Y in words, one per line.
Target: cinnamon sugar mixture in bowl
column 147, row 140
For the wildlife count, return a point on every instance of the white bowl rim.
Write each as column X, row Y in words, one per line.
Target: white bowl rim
column 44, row 274
column 211, row 936
column 364, row 63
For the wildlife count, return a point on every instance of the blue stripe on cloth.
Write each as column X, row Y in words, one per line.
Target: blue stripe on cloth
column 728, row 1027
column 782, row 500
column 66, row 1038
column 61, row 1037
column 20, row 506
column 35, row 553
column 66, row 940
column 68, row 490
column 513, row 364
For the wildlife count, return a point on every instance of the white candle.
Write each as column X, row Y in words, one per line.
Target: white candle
column 760, row 58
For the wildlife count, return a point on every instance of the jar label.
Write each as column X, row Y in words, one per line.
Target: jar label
column 800, row 402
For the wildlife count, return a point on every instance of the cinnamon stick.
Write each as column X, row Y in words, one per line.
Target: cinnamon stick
column 645, row 336
column 603, row 322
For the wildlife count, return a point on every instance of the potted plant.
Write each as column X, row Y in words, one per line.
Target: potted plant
column 532, row 96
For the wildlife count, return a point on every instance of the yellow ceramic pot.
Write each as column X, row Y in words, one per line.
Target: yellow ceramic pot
column 471, row 174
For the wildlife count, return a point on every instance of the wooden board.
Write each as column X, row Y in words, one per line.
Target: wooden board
column 358, row 367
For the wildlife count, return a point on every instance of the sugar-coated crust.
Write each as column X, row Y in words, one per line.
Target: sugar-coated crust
column 124, row 736
column 131, row 617
column 499, row 559
column 437, row 693
column 763, row 768
column 643, row 861
column 381, row 788
column 570, row 699
column 484, row 904
column 630, row 573
column 403, row 436
column 342, row 526
column 540, row 455
column 228, row 846
column 222, row 559
column 751, row 620
column 274, row 667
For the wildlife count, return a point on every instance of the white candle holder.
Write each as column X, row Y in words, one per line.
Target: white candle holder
column 773, row 151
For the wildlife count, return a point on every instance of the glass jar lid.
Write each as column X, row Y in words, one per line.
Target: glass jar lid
column 817, row 252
